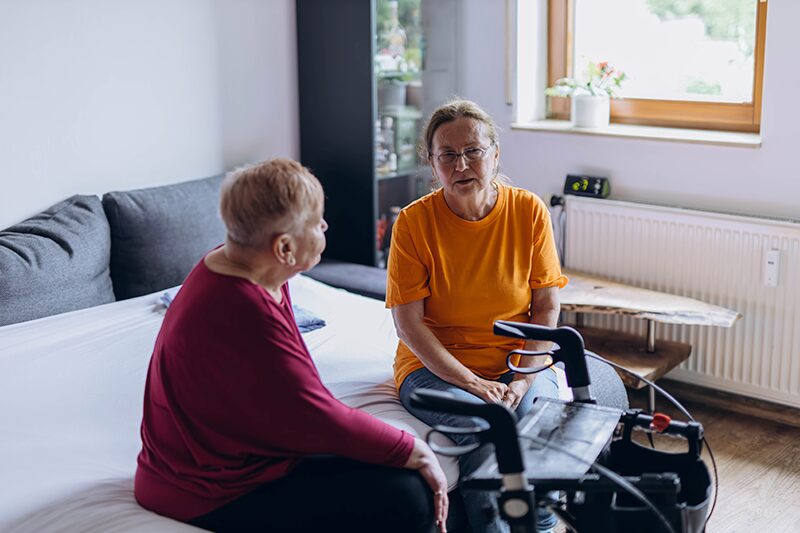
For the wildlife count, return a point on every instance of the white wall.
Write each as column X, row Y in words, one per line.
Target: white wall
column 98, row 95
column 764, row 181
column 258, row 80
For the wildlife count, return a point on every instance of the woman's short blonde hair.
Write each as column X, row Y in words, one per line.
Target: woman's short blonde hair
column 260, row 201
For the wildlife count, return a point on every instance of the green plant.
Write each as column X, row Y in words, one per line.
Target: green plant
column 601, row 79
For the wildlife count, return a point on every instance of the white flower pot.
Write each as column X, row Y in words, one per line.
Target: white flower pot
column 589, row 111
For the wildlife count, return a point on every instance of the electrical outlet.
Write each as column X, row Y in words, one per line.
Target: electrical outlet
column 772, row 268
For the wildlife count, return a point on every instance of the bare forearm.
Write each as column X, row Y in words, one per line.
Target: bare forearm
column 545, row 308
column 421, row 340
column 545, row 317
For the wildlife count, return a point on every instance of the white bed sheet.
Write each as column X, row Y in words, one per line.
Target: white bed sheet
column 71, row 389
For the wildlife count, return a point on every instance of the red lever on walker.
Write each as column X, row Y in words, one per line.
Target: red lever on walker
column 660, row 422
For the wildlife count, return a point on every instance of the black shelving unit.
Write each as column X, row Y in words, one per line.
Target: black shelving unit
column 343, row 92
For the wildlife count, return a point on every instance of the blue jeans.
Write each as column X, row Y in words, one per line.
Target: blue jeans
column 476, row 503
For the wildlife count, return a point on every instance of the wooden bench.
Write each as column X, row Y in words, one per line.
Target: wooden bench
column 591, row 294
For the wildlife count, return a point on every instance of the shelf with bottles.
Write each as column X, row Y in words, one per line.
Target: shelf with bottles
column 396, row 134
column 368, row 74
column 398, row 63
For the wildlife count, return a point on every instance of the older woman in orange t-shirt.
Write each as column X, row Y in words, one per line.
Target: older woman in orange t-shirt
column 472, row 252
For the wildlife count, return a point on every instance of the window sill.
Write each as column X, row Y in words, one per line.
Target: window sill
column 720, row 138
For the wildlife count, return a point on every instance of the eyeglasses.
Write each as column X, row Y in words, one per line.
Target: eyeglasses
column 470, row 154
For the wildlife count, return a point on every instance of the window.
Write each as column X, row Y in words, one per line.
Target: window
column 689, row 63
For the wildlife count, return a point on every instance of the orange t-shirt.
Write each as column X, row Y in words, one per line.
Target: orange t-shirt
column 471, row 274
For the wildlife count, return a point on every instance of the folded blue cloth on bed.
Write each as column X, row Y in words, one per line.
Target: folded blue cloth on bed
column 306, row 320
column 168, row 296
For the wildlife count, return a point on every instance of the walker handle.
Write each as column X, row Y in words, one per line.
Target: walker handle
column 502, row 431
column 570, row 346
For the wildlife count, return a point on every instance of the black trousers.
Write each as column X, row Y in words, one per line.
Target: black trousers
column 331, row 494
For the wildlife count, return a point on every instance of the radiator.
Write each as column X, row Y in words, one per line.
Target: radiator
column 717, row 258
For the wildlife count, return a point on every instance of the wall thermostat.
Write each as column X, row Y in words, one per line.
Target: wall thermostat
column 587, row 186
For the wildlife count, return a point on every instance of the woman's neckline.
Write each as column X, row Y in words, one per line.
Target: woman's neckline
column 474, row 224
column 230, row 272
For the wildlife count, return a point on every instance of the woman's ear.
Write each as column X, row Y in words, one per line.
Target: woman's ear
column 283, row 248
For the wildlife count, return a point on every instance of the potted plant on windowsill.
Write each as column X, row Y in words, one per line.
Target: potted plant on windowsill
column 591, row 105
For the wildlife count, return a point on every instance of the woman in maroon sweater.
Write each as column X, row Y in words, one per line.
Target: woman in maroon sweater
column 238, row 431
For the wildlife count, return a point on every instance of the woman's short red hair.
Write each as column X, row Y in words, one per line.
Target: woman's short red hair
column 263, row 200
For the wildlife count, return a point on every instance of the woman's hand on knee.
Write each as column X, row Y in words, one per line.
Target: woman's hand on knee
column 423, row 460
column 517, row 390
column 489, row 391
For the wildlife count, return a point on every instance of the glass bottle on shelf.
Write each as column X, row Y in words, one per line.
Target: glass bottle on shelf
column 388, row 136
column 381, row 151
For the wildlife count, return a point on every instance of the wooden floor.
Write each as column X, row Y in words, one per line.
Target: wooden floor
column 759, row 469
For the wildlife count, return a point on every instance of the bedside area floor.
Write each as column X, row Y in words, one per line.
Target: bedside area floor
column 758, row 462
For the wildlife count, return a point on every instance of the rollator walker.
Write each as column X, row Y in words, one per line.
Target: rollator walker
column 577, row 458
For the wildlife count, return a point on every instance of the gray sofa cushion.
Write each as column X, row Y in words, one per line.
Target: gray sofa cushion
column 159, row 234
column 56, row 261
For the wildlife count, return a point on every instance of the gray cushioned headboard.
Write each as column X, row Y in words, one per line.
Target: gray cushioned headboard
column 361, row 279
column 55, row 261
column 159, row 234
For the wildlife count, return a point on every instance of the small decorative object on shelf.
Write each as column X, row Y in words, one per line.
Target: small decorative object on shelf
column 394, row 38
column 591, row 106
column 381, row 151
column 385, row 151
column 405, row 125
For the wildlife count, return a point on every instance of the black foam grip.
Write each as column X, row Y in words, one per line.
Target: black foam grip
column 502, row 421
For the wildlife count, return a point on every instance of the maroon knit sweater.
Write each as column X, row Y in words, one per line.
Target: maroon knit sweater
column 233, row 400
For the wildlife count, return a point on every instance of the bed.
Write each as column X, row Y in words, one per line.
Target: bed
column 71, row 389
column 80, row 306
